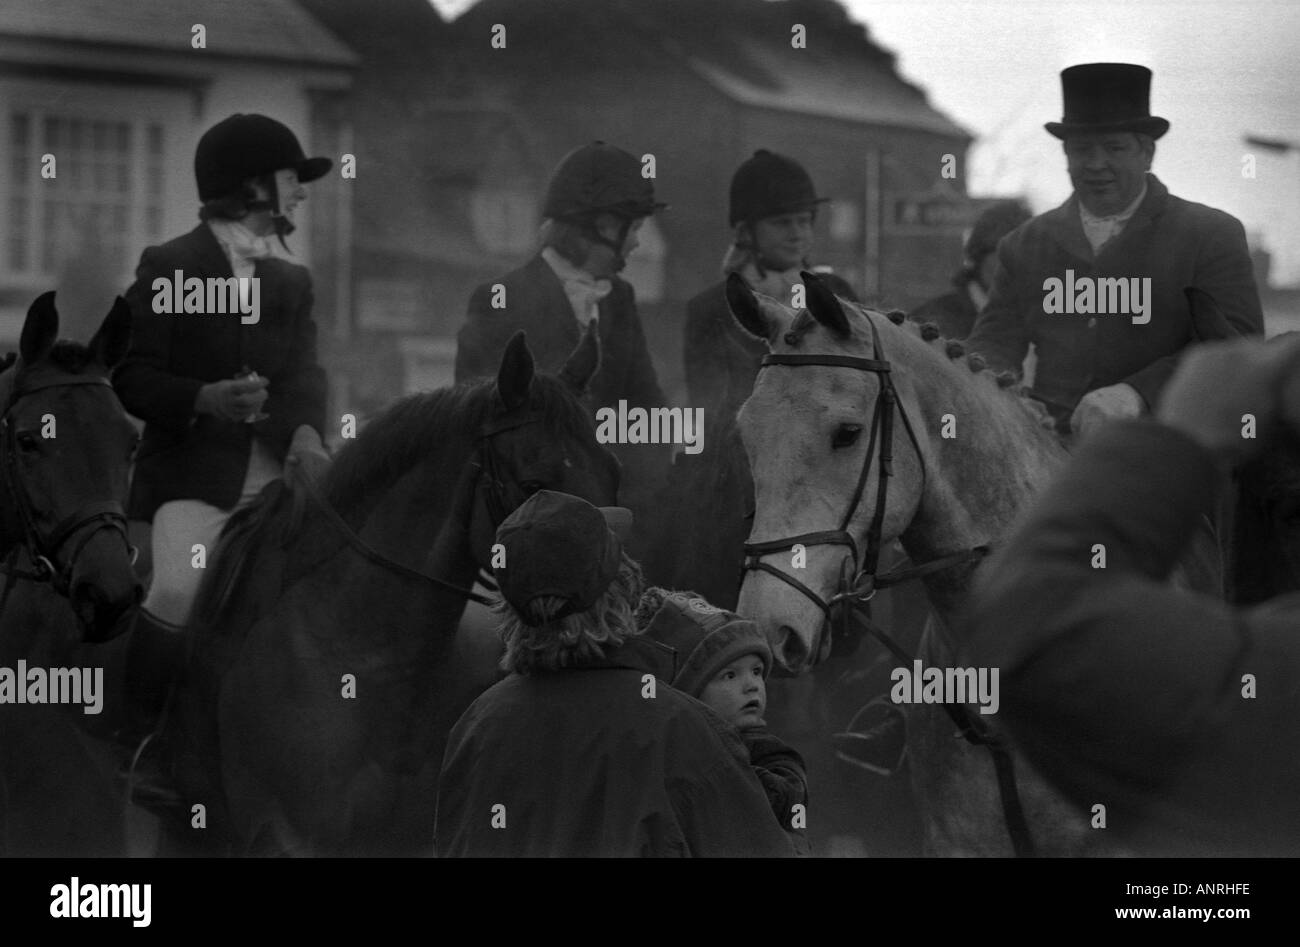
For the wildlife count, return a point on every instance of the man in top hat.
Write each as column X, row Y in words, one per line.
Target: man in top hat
column 1120, row 223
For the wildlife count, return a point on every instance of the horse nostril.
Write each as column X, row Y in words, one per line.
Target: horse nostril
column 791, row 652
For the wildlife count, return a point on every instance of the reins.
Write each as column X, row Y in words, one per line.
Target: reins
column 859, row 577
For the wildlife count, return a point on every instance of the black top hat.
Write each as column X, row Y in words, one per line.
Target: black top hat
column 1107, row 96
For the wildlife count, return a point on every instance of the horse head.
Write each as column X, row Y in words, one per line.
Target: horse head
column 539, row 436
column 67, row 447
column 815, row 433
column 863, row 428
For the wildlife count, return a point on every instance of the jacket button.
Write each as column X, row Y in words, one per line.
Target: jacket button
column 1092, row 323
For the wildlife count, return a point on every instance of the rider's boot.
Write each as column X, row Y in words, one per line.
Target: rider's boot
column 154, row 660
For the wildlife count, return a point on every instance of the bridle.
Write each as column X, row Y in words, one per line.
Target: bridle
column 860, row 579
column 43, row 550
column 859, row 575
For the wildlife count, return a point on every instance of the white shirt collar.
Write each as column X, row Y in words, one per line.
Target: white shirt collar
column 1122, row 217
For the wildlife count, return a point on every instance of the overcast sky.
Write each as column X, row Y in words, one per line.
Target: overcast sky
column 1223, row 69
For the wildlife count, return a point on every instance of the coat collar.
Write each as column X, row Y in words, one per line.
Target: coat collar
column 1062, row 223
column 207, row 251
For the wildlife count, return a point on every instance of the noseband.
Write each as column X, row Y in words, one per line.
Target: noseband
column 44, row 550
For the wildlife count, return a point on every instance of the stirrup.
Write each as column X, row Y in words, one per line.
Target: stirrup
column 875, row 739
column 149, row 788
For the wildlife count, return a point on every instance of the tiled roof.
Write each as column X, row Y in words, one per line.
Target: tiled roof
column 258, row 29
column 856, row 91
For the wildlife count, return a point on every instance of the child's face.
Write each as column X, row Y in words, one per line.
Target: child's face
column 738, row 692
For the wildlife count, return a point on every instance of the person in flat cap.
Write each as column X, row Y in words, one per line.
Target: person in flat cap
column 594, row 207
column 955, row 312
column 1121, row 223
column 584, row 749
column 227, row 398
column 773, row 207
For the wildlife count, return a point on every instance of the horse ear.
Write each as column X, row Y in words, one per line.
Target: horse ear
column 41, row 329
column 1208, row 321
column 114, row 336
column 583, row 361
column 823, row 305
column 515, row 376
column 746, row 310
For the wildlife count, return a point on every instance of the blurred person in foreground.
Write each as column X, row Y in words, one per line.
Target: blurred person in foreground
column 1177, row 712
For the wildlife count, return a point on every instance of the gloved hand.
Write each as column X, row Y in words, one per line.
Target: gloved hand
column 232, row 399
column 307, row 456
column 1098, row 407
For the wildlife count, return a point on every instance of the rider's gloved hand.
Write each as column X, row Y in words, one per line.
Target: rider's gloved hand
column 233, row 399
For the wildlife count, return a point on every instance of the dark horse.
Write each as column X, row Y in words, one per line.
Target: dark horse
column 65, row 450
column 319, row 694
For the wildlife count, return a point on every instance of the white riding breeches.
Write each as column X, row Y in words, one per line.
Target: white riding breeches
column 180, row 525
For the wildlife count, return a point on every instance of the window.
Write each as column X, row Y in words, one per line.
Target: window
column 504, row 219
column 108, row 195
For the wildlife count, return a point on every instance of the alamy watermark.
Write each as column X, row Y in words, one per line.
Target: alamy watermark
column 38, row 685
column 935, row 685
column 652, row 426
column 1098, row 296
column 215, row 295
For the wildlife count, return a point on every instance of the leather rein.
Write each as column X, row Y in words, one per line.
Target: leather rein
column 860, row 578
column 44, row 550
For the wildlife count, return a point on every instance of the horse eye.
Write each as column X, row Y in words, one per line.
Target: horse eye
column 28, row 442
column 846, row 435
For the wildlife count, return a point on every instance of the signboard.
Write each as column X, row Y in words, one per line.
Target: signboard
column 928, row 213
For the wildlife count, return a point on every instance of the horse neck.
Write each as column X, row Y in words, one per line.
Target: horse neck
column 977, row 481
column 414, row 517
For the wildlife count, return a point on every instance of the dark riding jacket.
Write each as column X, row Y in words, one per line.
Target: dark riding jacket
column 535, row 301
column 1177, row 243
column 185, row 456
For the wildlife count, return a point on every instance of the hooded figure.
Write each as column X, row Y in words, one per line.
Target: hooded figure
column 585, row 749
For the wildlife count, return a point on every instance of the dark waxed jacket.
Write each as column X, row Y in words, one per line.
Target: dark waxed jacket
column 586, row 766
column 188, row 456
column 1127, row 691
column 1177, row 243
column 722, row 359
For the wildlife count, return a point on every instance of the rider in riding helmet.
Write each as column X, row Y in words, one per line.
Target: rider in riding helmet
column 225, row 402
column 773, row 209
column 594, row 206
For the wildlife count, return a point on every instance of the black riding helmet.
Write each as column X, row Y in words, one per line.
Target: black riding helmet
column 246, row 146
column 768, row 185
column 600, row 179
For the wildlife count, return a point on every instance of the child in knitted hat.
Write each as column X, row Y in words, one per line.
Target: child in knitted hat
column 723, row 660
